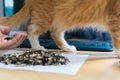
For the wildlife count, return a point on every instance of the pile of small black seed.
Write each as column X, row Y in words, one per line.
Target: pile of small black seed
column 34, row 57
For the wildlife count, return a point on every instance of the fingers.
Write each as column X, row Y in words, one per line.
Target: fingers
column 7, row 42
column 4, row 29
column 14, row 42
column 17, row 40
column 3, row 43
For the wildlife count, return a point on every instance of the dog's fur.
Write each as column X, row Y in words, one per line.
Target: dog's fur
column 59, row 16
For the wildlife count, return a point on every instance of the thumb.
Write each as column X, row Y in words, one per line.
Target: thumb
column 4, row 29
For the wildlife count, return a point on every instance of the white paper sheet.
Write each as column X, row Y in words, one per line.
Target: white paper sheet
column 76, row 61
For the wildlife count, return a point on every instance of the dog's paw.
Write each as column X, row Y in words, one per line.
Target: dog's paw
column 39, row 48
column 70, row 49
column 117, row 52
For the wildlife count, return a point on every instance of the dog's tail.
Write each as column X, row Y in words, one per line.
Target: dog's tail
column 20, row 18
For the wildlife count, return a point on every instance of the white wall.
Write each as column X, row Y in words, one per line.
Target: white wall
column 1, row 8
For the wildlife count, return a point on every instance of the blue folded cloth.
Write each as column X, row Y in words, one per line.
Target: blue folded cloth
column 86, row 39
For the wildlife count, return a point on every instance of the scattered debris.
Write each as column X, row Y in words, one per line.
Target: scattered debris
column 34, row 57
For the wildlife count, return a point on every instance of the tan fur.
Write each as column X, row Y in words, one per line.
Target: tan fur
column 59, row 16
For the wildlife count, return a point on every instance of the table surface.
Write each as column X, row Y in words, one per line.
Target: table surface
column 99, row 66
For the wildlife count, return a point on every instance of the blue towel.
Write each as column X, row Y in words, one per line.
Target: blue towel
column 86, row 39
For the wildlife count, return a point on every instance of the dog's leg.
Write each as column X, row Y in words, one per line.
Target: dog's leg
column 114, row 25
column 33, row 35
column 57, row 34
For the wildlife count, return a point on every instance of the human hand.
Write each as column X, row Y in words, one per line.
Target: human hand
column 7, row 42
